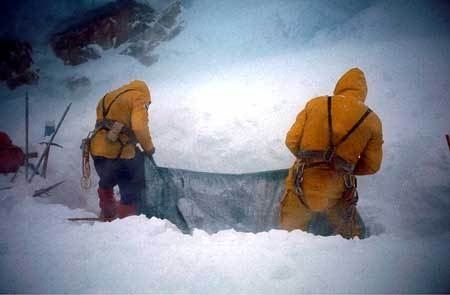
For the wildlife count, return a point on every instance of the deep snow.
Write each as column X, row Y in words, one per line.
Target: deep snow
column 225, row 91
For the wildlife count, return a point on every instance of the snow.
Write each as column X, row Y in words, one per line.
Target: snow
column 225, row 91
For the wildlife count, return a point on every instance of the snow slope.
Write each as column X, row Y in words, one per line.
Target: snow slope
column 225, row 91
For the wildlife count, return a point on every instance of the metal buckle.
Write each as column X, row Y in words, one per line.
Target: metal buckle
column 349, row 181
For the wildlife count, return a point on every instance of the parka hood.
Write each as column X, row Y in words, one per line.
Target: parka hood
column 352, row 84
column 142, row 87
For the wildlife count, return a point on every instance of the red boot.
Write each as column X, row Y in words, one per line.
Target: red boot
column 107, row 203
column 124, row 210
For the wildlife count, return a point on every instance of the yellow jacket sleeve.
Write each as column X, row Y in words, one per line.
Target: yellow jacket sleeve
column 370, row 159
column 139, row 124
column 294, row 135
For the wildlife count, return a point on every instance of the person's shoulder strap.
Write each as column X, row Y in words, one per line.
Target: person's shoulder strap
column 330, row 123
column 105, row 111
column 356, row 125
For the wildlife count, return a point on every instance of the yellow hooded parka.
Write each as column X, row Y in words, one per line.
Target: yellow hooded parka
column 322, row 186
column 128, row 109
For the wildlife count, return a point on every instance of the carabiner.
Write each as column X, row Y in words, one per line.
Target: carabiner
column 349, row 181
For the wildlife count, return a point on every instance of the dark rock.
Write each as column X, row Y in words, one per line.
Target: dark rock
column 78, row 83
column 148, row 60
column 169, row 17
column 29, row 78
column 167, row 25
column 15, row 63
column 137, row 27
column 140, row 51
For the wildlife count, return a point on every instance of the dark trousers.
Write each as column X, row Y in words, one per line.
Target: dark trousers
column 128, row 174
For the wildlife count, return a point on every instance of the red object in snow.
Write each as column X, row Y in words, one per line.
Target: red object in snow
column 11, row 156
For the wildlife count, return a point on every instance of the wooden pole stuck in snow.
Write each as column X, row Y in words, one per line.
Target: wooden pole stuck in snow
column 46, row 190
column 448, row 140
column 26, row 135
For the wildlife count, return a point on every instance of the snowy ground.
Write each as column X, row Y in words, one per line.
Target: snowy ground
column 225, row 92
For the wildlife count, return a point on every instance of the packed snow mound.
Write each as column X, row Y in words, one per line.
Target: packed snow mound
column 43, row 252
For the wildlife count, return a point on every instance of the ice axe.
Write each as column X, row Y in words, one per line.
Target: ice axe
column 44, row 165
column 49, row 143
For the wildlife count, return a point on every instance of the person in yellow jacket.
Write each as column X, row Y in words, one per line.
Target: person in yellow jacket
column 333, row 139
column 122, row 123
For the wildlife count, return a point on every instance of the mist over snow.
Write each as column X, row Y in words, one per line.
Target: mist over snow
column 225, row 91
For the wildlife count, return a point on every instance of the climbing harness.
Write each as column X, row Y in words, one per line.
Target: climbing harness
column 328, row 157
column 299, row 168
column 346, row 208
column 113, row 129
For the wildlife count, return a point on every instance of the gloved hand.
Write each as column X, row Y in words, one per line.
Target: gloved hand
column 150, row 153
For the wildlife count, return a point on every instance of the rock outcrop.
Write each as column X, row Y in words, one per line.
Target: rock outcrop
column 15, row 63
column 78, row 85
column 132, row 27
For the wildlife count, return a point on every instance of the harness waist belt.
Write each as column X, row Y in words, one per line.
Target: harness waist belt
column 107, row 124
column 335, row 160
